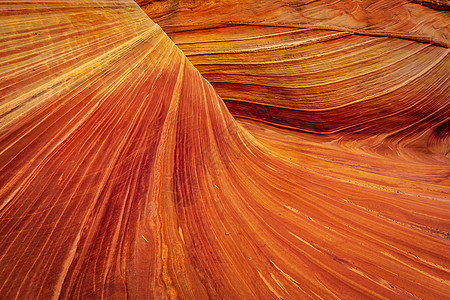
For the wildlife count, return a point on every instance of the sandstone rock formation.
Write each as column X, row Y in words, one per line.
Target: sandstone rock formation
column 124, row 174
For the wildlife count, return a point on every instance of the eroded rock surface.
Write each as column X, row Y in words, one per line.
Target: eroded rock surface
column 124, row 174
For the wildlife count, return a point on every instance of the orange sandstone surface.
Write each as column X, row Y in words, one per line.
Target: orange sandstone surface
column 319, row 66
column 323, row 172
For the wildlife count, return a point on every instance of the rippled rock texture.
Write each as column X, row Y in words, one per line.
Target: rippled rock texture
column 124, row 174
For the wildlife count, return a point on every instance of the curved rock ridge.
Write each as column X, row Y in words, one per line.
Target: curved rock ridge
column 399, row 18
column 357, row 68
column 124, row 175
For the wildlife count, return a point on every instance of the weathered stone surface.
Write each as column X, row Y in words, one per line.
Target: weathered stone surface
column 280, row 62
column 124, row 174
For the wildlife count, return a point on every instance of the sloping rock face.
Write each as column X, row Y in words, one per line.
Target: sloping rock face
column 371, row 67
column 399, row 18
column 124, row 174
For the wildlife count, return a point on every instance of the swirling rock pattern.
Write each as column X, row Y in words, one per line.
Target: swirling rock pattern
column 398, row 18
column 123, row 173
column 280, row 63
